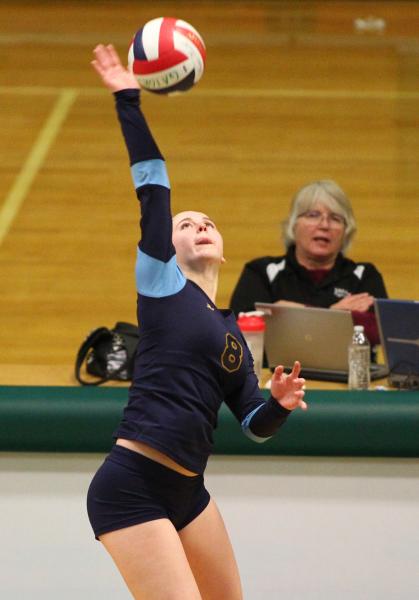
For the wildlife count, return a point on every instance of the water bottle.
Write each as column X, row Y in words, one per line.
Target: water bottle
column 252, row 326
column 359, row 360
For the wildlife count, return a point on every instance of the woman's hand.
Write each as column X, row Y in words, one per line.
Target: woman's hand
column 113, row 74
column 361, row 302
column 288, row 390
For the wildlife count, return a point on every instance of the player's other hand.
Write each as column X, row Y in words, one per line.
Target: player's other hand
column 114, row 75
column 288, row 390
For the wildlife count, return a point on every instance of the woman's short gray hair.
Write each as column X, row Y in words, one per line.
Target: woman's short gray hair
column 325, row 192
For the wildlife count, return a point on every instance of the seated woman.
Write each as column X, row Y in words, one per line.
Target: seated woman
column 314, row 270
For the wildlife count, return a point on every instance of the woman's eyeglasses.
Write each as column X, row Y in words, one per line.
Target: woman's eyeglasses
column 316, row 217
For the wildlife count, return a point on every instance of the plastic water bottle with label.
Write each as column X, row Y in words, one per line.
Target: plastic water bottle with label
column 359, row 356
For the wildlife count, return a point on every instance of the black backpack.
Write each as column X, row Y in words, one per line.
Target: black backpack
column 108, row 354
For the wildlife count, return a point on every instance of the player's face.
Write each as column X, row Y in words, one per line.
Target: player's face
column 196, row 238
column 319, row 233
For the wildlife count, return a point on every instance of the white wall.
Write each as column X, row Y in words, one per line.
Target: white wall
column 302, row 528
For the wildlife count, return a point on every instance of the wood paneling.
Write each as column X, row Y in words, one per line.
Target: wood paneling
column 292, row 92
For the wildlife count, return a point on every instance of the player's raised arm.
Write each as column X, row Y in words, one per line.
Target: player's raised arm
column 157, row 273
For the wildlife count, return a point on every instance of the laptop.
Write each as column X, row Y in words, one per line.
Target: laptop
column 317, row 337
column 398, row 323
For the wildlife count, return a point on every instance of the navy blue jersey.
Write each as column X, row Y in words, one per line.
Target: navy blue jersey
column 191, row 356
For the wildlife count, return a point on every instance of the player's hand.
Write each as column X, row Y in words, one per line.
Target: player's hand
column 115, row 76
column 360, row 302
column 288, row 390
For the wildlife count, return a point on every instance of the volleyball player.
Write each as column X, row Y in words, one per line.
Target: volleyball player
column 147, row 503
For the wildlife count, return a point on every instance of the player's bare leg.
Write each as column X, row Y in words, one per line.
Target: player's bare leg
column 211, row 557
column 152, row 561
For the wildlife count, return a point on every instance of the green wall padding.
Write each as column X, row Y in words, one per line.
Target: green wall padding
column 338, row 423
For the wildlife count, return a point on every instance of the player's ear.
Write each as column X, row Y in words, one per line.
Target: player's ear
column 223, row 260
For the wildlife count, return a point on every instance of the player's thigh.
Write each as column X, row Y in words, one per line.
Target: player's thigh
column 152, row 561
column 211, row 557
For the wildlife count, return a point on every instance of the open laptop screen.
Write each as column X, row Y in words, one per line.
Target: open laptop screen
column 317, row 337
column 398, row 322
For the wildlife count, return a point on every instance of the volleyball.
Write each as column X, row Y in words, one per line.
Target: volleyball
column 167, row 55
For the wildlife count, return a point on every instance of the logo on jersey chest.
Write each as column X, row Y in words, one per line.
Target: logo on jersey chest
column 232, row 355
column 340, row 292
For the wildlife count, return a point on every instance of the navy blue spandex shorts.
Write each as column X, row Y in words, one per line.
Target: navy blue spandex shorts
column 130, row 488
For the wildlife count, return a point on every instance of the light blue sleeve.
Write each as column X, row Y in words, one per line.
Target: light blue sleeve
column 156, row 278
column 248, row 432
column 150, row 172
